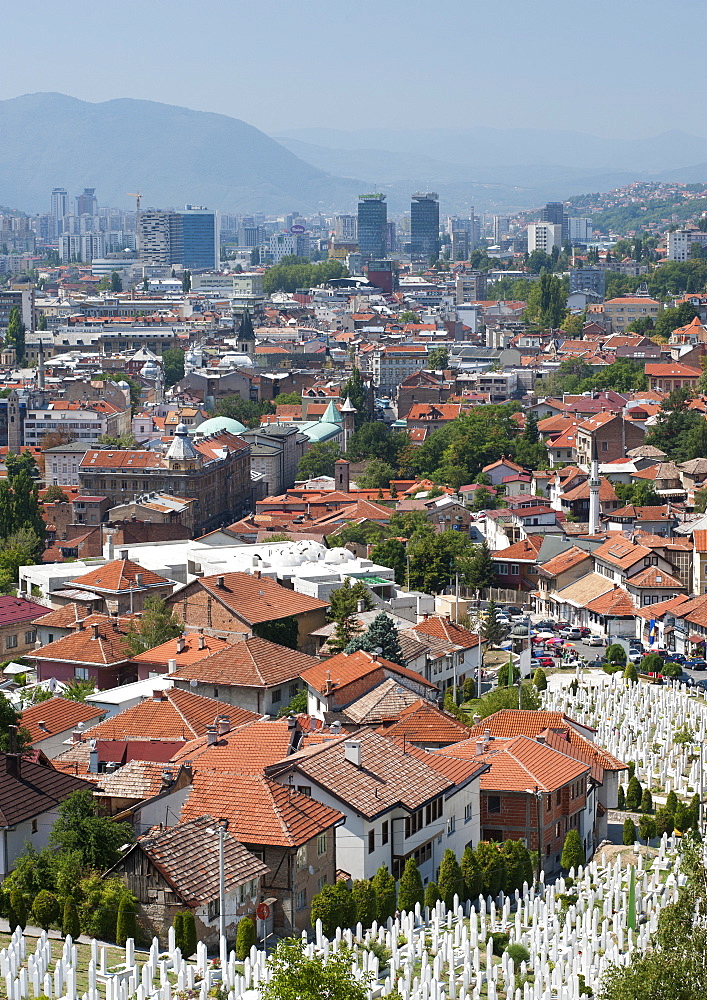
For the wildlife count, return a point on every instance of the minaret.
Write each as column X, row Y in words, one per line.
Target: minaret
column 348, row 412
column 594, row 524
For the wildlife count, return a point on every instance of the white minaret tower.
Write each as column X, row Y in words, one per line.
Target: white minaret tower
column 594, row 524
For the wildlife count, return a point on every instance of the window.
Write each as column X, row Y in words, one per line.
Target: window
column 451, row 825
column 294, row 688
column 467, row 812
column 30, row 637
column 502, row 569
column 321, row 844
column 50, row 637
column 321, row 882
column 35, row 826
column 548, row 804
column 304, row 789
column 81, row 673
column 213, row 909
column 10, row 642
column 301, row 900
column 277, row 695
column 515, row 569
column 371, row 841
column 493, row 804
column 605, row 446
column 558, row 797
column 384, row 833
column 215, row 692
column 302, row 857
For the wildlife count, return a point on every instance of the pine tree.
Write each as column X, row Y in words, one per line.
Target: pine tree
column 621, row 799
column 364, row 897
column 634, row 793
column 646, row 801
column 381, row 639
column 491, row 631
column 127, row 922
column 572, row 851
column 431, row 895
column 70, row 919
column 471, row 873
column 481, row 572
column 450, row 881
column 384, row 886
column 410, row 890
column 245, row 938
column 629, row 833
column 17, row 910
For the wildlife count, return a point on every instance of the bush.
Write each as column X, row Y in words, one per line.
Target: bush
column 621, row 799
column 573, row 851
column 631, row 673
column 471, row 873
column 629, row 833
column 634, row 794
column 364, row 898
column 334, row 906
column 652, row 664
column 126, row 926
column 616, row 653
column 646, row 801
column 683, row 818
column 431, row 895
column 45, row 909
column 500, row 941
column 493, row 867
column 245, row 937
column 17, row 911
column 508, row 675
column 384, row 886
column 518, row 866
column 450, row 882
column 671, row 802
column 518, row 952
column 100, row 905
column 540, row 679
column 647, row 828
column 664, row 822
column 672, row 670
column 70, row 919
column 410, row 890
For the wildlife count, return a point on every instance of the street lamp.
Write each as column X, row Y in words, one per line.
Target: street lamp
column 222, row 827
column 538, row 796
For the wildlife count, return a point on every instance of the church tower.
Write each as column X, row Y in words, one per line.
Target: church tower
column 246, row 335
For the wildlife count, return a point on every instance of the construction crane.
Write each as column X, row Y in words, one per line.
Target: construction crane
column 136, row 195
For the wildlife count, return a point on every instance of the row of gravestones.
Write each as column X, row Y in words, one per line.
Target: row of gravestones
column 568, row 929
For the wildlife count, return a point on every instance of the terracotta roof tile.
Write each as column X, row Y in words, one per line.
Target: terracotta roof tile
column 67, row 616
column 258, row 599
column 170, row 715
column 57, row 715
column 254, row 662
column 423, row 722
column 195, row 646
column 616, row 602
column 138, row 779
column 566, row 560
column 446, row 630
column 653, row 578
column 249, row 748
column 100, row 640
column 340, row 670
column 18, row 609
column 119, row 575
column 384, row 702
column 35, row 790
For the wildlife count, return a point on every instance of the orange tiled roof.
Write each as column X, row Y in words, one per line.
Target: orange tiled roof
column 99, row 639
column 119, row 575
column 258, row 599
column 57, row 715
column 254, row 662
column 196, row 646
column 423, row 722
column 616, row 602
column 656, row 579
column 342, row 669
column 566, row 560
column 443, row 628
column 621, row 552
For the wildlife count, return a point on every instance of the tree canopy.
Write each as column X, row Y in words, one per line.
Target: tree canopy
column 96, row 839
column 156, row 625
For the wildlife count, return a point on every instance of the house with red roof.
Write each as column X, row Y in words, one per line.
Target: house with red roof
column 96, row 650
column 18, row 633
column 121, row 587
column 50, row 723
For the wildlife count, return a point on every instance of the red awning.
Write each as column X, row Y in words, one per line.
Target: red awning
column 696, row 638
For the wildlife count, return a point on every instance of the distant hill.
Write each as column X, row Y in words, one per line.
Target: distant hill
column 171, row 154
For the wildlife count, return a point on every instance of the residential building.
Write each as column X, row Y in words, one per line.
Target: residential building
column 579, row 230
column 50, row 723
column 30, row 797
column 97, row 650
column 554, row 214
column 544, row 236
column 18, row 633
column 391, row 364
column 588, row 279
column 666, row 377
column 85, row 422
column 118, row 587
column 621, row 311
column 61, row 463
column 175, row 869
column 681, row 241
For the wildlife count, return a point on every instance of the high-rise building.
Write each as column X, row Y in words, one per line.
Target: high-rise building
column 372, row 226
column 59, row 209
column 87, row 203
column 424, row 224
column 579, row 230
column 200, row 238
column 544, row 236
column 501, row 225
column 588, row 279
column 345, row 228
column 554, row 212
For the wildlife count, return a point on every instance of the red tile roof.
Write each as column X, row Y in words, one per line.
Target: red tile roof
column 255, row 662
column 99, row 639
column 448, row 631
column 342, row 669
column 616, row 602
column 57, row 715
column 196, row 646
column 66, row 617
column 423, row 722
column 170, row 715
column 119, row 575
column 248, row 748
column 35, row 790
column 258, row 599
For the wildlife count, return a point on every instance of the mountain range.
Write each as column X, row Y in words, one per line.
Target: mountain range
column 174, row 155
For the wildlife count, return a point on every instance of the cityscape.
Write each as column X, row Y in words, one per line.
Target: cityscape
column 353, row 518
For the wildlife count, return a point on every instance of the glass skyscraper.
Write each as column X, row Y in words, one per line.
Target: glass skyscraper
column 372, row 226
column 424, row 224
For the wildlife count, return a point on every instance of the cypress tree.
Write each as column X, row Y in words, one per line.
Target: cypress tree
column 17, row 911
column 572, row 851
column 540, row 679
column 384, row 887
column 471, row 872
column 431, row 895
column 451, row 881
column 629, row 833
column 189, row 934
column 410, row 890
column 127, row 922
column 364, row 897
column 646, row 801
column 634, row 793
column 621, row 799
column 178, row 925
column 245, row 938
column 70, row 919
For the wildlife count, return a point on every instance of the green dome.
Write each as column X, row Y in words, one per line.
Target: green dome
column 217, row 424
column 319, row 430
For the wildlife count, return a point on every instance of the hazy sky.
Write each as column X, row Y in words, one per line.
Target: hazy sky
column 612, row 67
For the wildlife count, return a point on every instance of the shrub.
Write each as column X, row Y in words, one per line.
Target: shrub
column 671, row 802
column 410, row 890
column 683, row 818
column 652, row 664
column 364, row 898
column 471, row 873
column 245, row 936
column 631, row 673
column 500, row 941
column 621, row 799
column 450, row 882
column 493, row 867
column 634, row 794
column 185, row 932
column 45, row 909
column 616, row 653
column 671, row 670
column 540, row 679
column 334, row 906
column 664, row 822
column 629, row 833
column 17, row 911
column 178, row 925
column 431, row 895
column 573, row 851
column 646, row 801
column 384, row 886
column 126, row 926
column 518, row 952
column 647, row 828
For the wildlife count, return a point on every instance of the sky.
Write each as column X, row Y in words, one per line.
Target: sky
column 614, row 68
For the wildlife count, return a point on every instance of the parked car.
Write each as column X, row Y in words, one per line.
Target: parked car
column 686, row 680
column 595, row 640
column 584, row 631
column 701, row 683
column 635, row 656
column 560, row 624
column 677, row 657
column 545, row 662
column 697, row 664
column 512, row 610
column 571, row 632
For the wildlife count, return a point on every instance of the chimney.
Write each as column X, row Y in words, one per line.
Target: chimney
column 477, row 719
column 171, row 666
column 181, row 644
column 479, row 747
column 158, row 696
column 79, row 625
column 541, row 738
column 43, row 726
column 220, row 582
column 13, row 765
column 223, row 724
column 360, row 607
column 291, row 722
column 487, row 735
column 94, row 631
column 123, row 554
column 211, row 735
column 76, row 735
column 93, row 760
column 167, row 778
column 352, row 752
column 110, row 549
column 202, row 641
column 257, row 574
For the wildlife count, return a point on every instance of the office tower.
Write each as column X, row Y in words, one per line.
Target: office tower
column 501, row 225
column 424, row 224
column 155, row 237
column 200, row 238
column 372, row 225
column 554, row 212
column 345, row 228
column 544, row 236
column 579, row 230
column 87, row 203
column 391, row 238
column 60, row 208
column 460, row 244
